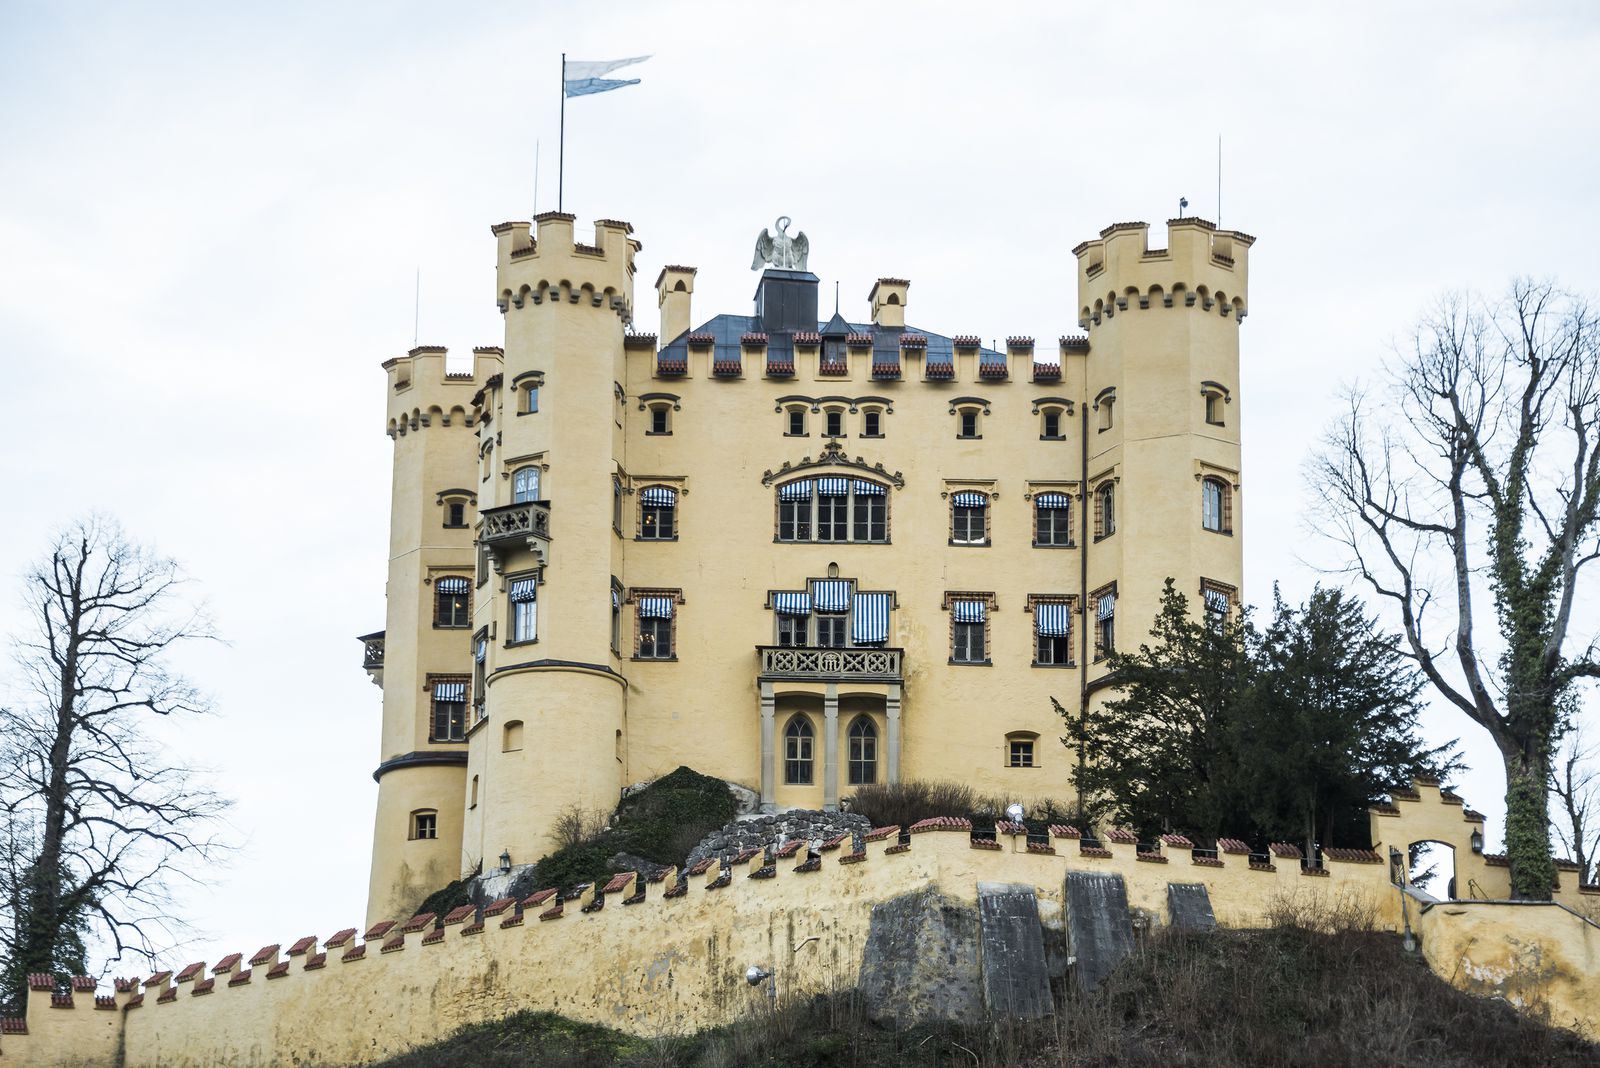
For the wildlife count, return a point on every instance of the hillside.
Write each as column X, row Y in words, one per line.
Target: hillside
column 1228, row 999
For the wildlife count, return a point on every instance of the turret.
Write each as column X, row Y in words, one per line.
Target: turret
column 888, row 299
column 674, row 288
column 422, row 654
column 549, row 730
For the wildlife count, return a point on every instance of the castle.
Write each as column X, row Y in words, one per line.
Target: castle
column 795, row 554
column 577, row 602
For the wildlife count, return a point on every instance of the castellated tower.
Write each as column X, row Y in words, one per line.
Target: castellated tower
column 550, row 730
column 1161, row 436
column 422, row 773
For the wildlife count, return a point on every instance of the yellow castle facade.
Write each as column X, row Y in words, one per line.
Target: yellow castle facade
column 800, row 555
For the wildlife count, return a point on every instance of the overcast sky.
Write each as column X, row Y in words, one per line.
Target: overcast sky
column 212, row 218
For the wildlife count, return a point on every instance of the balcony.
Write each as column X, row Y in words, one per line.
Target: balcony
column 512, row 526
column 790, row 663
column 372, row 655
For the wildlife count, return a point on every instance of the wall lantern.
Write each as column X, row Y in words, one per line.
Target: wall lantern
column 1477, row 841
column 505, row 860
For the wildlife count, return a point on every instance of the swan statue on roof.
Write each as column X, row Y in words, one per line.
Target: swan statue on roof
column 780, row 250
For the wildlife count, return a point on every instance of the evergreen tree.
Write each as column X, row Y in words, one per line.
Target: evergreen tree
column 1288, row 734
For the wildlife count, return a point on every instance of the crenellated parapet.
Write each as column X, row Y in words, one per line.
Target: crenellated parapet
column 666, row 954
column 541, row 264
column 424, row 392
column 1202, row 269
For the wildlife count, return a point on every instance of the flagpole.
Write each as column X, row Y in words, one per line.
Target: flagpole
column 561, row 155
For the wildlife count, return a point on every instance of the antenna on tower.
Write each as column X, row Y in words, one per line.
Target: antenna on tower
column 536, row 176
column 836, row 296
column 1219, row 181
column 416, row 311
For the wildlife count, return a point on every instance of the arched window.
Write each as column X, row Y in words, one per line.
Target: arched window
column 525, row 485
column 511, row 739
column 1216, row 506
column 863, row 751
column 797, row 743
column 451, row 603
column 1105, row 510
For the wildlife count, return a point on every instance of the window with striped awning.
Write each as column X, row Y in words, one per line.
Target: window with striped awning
column 792, row 604
column 833, row 487
column 480, row 650
column 1052, row 620
column 452, row 585
column 871, row 622
column 832, row 595
column 969, row 611
column 524, row 589
column 616, row 600
column 659, row 496
column 450, row 691
column 795, row 491
column 869, row 489
column 655, row 608
column 1052, row 500
column 969, row 499
column 1106, row 607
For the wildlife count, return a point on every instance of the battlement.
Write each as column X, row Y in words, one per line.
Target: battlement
column 1202, row 268
column 541, row 262
column 666, row 954
column 423, row 391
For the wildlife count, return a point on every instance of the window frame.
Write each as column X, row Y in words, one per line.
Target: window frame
column 1224, row 505
column 1065, row 642
column 654, row 629
column 660, row 421
column 832, row 417
column 799, row 751
column 1015, row 743
column 960, row 512
column 460, row 615
column 1105, row 627
column 795, row 517
column 794, row 415
column 435, row 711
column 861, row 749
column 651, row 526
column 1060, row 525
column 872, row 423
column 519, row 481
column 1105, row 509
column 415, row 828
column 528, row 403
column 964, row 636
column 1046, row 415
column 969, row 425
column 455, row 513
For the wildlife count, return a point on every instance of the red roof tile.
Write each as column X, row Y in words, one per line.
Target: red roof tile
column 377, row 930
column 417, row 922
column 942, row 823
column 1233, row 845
column 1176, row 841
column 304, row 944
column 878, row 834
column 227, row 963
column 1285, row 849
column 1064, row 830
column 264, row 954
column 1118, row 834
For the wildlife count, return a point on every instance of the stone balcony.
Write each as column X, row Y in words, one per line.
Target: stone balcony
column 512, row 526
column 798, row 663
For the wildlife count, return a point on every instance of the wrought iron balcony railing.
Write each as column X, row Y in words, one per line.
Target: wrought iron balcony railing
column 372, row 655
column 861, row 664
column 512, row 526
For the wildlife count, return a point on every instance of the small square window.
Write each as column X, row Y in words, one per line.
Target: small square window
column 1021, row 753
column 872, row 424
column 1052, row 424
column 660, row 420
column 797, row 423
column 655, row 639
column 455, row 514
column 968, row 644
column 969, row 423
column 425, row 825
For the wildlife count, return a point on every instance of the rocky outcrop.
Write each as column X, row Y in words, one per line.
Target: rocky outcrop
column 759, row 832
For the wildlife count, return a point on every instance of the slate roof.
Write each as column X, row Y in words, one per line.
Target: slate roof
column 728, row 331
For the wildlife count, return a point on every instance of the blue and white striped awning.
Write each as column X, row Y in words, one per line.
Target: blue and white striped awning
column 792, row 604
column 968, row 499
column 969, row 611
column 655, row 608
column 871, row 623
column 1052, row 500
column 659, row 496
column 1217, row 602
column 833, row 487
column 1107, row 605
column 1052, row 620
column 868, row 489
column 524, row 589
column 452, row 585
column 480, row 650
column 799, row 490
column 832, row 595
column 616, row 600
column 449, row 691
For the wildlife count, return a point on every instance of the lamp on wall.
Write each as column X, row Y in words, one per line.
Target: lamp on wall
column 1477, row 840
column 505, row 860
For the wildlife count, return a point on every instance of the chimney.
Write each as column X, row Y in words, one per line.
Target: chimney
column 674, row 287
column 888, row 298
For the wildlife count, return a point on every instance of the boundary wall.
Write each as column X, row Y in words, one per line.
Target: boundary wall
column 668, row 956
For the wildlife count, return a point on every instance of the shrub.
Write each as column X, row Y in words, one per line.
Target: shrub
column 904, row 803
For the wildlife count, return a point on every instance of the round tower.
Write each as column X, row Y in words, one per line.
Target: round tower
column 1161, row 468
column 422, row 658
column 551, row 728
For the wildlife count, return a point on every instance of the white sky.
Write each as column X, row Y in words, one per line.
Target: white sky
column 211, row 219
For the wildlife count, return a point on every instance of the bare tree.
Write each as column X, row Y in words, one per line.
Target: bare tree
column 1471, row 484
column 98, row 818
column 1575, row 784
